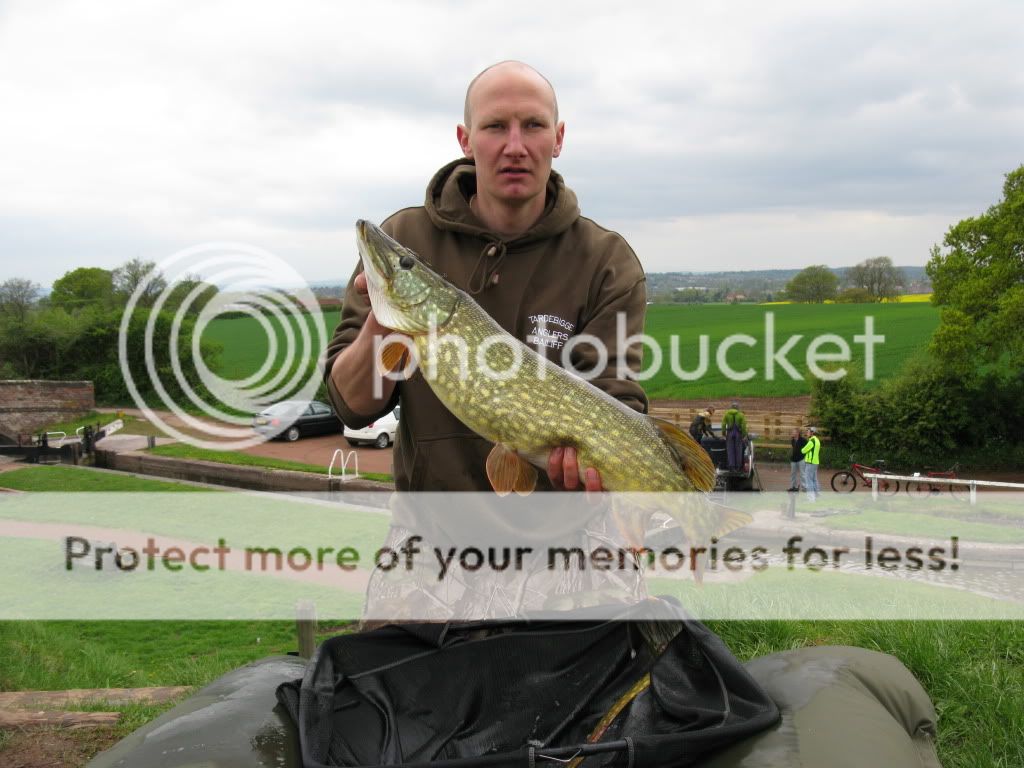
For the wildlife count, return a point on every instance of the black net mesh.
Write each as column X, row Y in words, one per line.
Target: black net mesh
column 493, row 693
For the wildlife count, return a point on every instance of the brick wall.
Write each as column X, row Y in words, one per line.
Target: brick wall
column 27, row 406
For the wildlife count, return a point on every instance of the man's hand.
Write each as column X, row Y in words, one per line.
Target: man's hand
column 354, row 372
column 371, row 327
column 564, row 472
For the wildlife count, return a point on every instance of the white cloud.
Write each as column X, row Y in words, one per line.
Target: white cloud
column 845, row 128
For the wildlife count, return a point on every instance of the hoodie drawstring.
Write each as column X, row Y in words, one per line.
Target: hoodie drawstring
column 488, row 274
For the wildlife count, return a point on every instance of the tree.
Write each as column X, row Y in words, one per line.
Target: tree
column 82, row 287
column 979, row 283
column 181, row 289
column 813, row 285
column 878, row 277
column 131, row 275
column 17, row 297
column 854, row 296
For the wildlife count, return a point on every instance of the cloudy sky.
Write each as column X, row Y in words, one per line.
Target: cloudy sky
column 712, row 135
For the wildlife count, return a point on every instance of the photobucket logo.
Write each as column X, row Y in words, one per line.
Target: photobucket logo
column 250, row 282
column 501, row 357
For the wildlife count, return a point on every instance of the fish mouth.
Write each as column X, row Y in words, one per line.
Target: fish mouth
column 374, row 249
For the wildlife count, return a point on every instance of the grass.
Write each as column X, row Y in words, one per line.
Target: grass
column 54, row 655
column 133, row 425
column 973, row 671
column 925, row 525
column 246, row 344
column 243, row 519
column 60, row 478
column 906, row 325
column 907, row 328
column 183, row 451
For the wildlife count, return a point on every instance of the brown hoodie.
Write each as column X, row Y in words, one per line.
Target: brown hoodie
column 565, row 276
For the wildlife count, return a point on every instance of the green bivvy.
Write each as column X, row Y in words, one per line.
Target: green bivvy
column 839, row 707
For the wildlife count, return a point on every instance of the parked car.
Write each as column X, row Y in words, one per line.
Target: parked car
column 380, row 433
column 292, row 419
column 743, row 479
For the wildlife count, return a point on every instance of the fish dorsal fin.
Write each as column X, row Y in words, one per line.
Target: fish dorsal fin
column 693, row 460
column 508, row 471
column 392, row 358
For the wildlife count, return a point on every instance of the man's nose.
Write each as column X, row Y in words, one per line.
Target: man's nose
column 514, row 144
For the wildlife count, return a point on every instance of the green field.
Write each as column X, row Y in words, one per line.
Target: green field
column 246, row 343
column 907, row 328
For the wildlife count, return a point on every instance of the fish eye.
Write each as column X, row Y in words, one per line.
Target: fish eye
column 406, row 262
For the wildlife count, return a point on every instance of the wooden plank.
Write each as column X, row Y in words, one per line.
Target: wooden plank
column 49, row 719
column 111, row 696
column 305, row 624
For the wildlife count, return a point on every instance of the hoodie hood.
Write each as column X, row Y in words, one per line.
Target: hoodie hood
column 448, row 197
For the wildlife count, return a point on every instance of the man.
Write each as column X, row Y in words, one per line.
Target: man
column 796, row 460
column 812, row 456
column 502, row 225
column 701, row 424
column 734, row 429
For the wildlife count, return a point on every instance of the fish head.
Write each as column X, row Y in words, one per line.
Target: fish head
column 406, row 294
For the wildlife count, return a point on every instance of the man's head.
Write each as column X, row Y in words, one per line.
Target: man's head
column 512, row 133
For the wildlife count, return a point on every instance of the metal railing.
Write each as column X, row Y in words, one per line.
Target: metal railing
column 972, row 485
column 345, row 458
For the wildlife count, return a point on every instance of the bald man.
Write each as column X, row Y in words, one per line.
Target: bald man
column 500, row 224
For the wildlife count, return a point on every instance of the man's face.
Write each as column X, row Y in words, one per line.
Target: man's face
column 512, row 136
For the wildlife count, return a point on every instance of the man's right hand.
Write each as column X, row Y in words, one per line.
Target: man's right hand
column 354, row 373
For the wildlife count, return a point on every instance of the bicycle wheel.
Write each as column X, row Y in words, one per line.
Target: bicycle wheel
column 920, row 489
column 888, row 487
column 844, row 482
column 960, row 492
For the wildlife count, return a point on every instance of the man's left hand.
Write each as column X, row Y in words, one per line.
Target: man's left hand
column 564, row 472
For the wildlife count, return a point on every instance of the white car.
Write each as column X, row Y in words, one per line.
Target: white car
column 380, row 433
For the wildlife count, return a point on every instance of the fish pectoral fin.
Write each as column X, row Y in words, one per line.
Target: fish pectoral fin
column 693, row 460
column 392, row 358
column 730, row 520
column 508, row 472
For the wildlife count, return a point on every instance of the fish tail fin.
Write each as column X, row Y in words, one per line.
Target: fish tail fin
column 730, row 520
column 693, row 460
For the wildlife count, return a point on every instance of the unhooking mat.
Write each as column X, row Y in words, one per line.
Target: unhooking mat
column 840, row 707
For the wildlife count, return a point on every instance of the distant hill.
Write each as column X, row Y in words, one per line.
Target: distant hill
column 757, row 284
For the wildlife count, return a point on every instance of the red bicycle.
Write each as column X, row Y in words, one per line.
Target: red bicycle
column 924, row 487
column 846, row 481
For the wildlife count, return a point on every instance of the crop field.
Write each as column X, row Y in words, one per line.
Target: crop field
column 906, row 326
column 246, row 344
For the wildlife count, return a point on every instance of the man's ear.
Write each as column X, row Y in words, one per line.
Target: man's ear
column 559, row 136
column 462, row 133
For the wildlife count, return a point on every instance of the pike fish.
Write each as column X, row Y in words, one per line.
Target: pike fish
column 517, row 399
